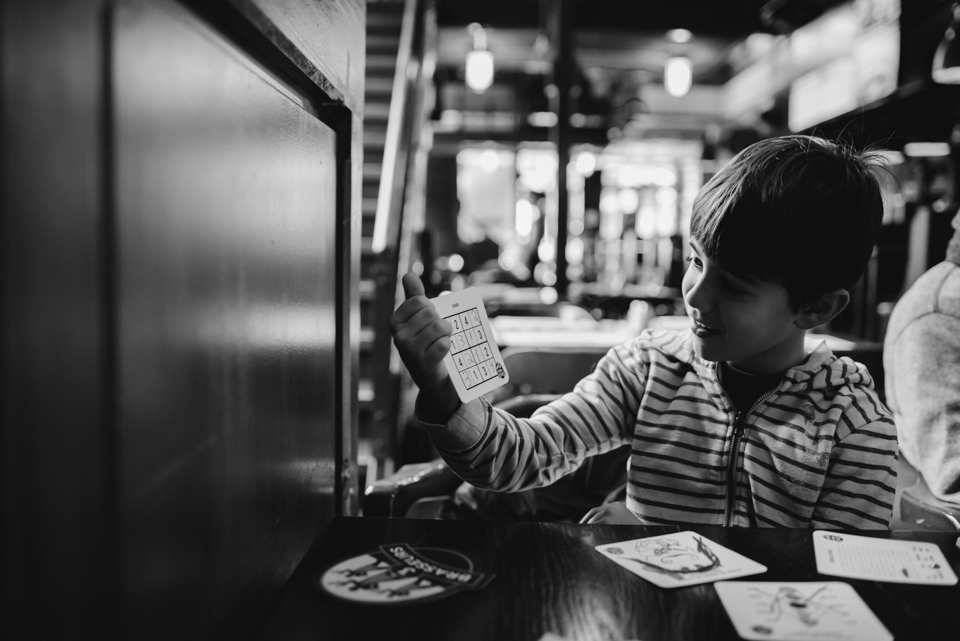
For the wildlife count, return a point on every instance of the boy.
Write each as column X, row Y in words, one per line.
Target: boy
column 731, row 422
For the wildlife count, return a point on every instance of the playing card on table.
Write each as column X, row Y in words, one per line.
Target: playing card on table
column 680, row 559
column 795, row 611
column 474, row 362
column 864, row 557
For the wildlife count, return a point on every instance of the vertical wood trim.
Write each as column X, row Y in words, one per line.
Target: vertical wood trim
column 348, row 127
column 109, row 277
column 350, row 302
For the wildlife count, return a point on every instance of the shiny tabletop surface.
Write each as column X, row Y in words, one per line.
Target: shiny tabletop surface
column 549, row 580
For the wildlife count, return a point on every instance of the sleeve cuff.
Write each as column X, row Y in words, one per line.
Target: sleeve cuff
column 464, row 428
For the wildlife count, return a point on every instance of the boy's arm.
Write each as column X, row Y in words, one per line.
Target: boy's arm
column 861, row 480
column 492, row 449
column 423, row 339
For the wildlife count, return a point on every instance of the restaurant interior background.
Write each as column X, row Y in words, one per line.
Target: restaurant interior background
column 205, row 209
column 661, row 95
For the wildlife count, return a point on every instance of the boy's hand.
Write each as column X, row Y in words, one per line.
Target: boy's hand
column 616, row 513
column 421, row 336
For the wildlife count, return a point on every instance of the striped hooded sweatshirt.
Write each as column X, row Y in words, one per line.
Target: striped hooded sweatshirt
column 818, row 451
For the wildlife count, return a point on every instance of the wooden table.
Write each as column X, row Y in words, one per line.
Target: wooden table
column 549, row 579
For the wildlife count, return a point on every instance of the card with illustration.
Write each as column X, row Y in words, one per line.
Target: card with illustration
column 864, row 557
column 474, row 362
column 680, row 559
column 795, row 611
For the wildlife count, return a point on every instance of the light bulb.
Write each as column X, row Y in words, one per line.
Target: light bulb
column 678, row 76
column 479, row 70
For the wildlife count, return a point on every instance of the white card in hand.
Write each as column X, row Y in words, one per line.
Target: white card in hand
column 864, row 557
column 474, row 362
column 680, row 559
column 826, row 611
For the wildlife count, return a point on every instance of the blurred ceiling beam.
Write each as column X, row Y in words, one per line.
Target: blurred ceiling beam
column 724, row 18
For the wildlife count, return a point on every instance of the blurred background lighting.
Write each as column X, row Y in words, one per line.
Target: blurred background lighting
column 666, row 222
column 524, row 218
column 609, row 203
column 647, row 222
column 946, row 60
column 664, row 177
column 678, row 76
column 479, row 64
column 629, row 200
column 549, row 295
column 666, row 196
column 546, row 251
column 586, row 163
column 479, row 70
column 630, row 176
column 926, row 149
column 542, row 119
column 489, row 161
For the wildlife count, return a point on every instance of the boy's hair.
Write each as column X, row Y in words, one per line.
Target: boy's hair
column 799, row 210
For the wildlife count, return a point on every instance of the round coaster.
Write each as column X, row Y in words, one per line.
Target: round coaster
column 400, row 574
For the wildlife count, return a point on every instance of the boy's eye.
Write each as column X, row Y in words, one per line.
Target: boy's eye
column 696, row 261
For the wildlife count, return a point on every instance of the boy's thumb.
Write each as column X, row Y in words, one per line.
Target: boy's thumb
column 412, row 285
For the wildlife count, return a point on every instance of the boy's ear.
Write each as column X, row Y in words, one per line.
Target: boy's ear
column 823, row 310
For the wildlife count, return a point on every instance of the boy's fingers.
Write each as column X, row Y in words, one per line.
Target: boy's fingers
column 412, row 285
column 418, row 313
column 589, row 516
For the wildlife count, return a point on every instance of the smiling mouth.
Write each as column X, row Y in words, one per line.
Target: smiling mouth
column 702, row 330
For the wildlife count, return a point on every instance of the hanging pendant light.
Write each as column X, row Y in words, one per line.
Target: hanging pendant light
column 678, row 76
column 479, row 64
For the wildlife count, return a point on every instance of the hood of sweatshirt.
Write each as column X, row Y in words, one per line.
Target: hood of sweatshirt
column 822, row 371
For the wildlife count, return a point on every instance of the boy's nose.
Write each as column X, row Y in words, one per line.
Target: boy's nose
column 699, row 296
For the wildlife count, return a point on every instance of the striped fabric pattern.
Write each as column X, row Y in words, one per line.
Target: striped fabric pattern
column 820, row 451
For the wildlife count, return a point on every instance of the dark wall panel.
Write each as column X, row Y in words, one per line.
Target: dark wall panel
column 225, row 230
column 56, row 524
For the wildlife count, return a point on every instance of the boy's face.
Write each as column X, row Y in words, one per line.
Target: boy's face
column 748, row 323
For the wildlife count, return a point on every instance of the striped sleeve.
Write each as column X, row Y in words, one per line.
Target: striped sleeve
column 490, row 448
column 861, row 479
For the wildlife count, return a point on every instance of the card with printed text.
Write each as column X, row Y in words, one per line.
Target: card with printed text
column 864, row 557
column 797, row 611
column 474, row 362
column 680, row 559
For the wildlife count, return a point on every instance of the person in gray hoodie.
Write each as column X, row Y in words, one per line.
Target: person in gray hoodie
column 921, row 360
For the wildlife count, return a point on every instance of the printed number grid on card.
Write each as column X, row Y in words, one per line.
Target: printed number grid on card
column 471, row 349
column 474, row 362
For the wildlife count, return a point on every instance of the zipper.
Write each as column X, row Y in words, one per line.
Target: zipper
column 738, row 421
column 731, row 468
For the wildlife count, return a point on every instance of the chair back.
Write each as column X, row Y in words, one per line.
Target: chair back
column 923, row 511
column 545, row 370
